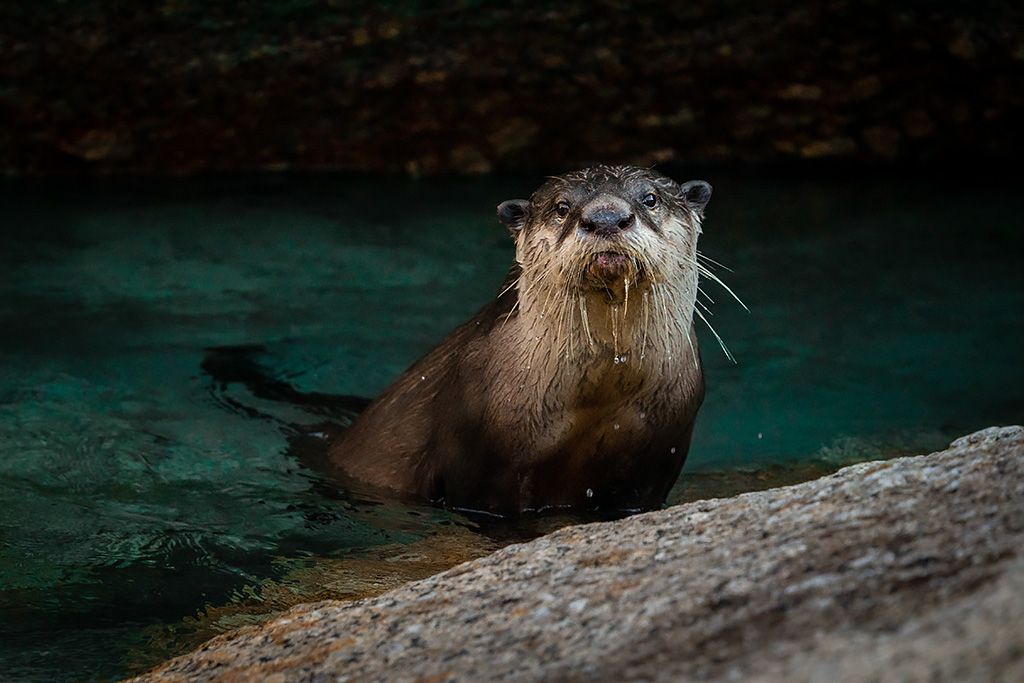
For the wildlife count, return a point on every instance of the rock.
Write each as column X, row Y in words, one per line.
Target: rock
column 832, row 147
column 99, row 145
column 516, row 134
column 907, row 569
column 883, row 141
column 919, row 124
column 866, row 88
column 801, row 91
column 469, row 159
column 963, row 47
column 404, row 85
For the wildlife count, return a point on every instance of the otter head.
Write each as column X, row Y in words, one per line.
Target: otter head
column 591, row 237
column 606, row 224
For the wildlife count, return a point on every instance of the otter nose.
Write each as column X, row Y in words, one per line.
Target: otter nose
column 607, row 220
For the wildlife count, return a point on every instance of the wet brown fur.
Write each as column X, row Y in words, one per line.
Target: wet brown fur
column 566, row 390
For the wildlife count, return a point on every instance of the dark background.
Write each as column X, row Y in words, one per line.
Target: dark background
column 428, row 88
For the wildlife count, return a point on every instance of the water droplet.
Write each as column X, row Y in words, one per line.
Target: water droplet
column 590, row 493
column 672, row 450
column 615, row 426
column 423, row 376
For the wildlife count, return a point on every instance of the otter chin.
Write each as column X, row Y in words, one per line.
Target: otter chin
column 610, row 266
column 578, row 385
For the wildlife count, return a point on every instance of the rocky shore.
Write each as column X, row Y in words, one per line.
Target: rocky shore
column 907, row 569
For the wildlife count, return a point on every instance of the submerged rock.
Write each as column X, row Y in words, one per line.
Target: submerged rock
column 907, row 569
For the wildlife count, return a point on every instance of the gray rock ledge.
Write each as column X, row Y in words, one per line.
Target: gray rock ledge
column 906, row 569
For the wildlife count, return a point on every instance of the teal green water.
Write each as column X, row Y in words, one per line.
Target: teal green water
column 885, row 318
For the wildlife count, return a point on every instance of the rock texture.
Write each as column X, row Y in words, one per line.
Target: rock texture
column 908, row 569
column 478, row 85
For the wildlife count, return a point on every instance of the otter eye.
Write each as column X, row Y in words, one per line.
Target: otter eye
column 650, row 200
column 562, row 209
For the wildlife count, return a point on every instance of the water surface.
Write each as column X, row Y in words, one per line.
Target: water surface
column 143, row 508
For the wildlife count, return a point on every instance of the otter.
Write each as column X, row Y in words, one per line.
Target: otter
column 578, row 385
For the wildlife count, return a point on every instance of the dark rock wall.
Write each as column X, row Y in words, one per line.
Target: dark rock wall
column 474, row 86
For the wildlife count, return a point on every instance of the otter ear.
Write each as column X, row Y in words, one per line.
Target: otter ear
column 695, row 194
column 513, row 214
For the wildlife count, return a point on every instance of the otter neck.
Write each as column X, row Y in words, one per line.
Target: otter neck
column 625, row 322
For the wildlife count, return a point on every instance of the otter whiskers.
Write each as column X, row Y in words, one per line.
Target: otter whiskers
column 554, row 289
column 704, row 270
column 713, row 262
column 586, row 319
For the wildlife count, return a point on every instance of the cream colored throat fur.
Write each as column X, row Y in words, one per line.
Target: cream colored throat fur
column 573, row 332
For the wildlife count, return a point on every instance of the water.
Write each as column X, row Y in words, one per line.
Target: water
column 143, row 509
